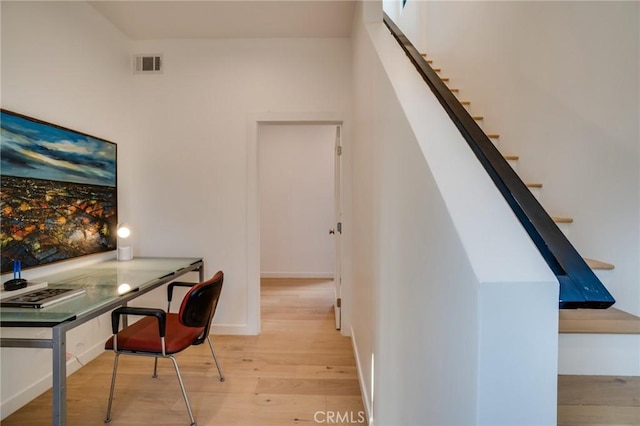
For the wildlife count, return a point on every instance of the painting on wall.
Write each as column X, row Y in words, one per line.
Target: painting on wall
column 59, row 195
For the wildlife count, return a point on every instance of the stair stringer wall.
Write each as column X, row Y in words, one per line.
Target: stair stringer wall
column 559, row 82
column 441, row 266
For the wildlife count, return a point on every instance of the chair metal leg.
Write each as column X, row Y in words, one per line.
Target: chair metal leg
column 113, row 385
column 215, row 359
column 184, row 392
column 155, row 367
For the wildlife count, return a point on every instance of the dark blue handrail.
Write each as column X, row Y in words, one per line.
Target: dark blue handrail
column 579, row 286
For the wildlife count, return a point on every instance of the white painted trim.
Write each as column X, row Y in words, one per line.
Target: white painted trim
column 20, row 399
column 232, row 329
column 323, row 275
column 363, row 390
column 253, row 227
column 253, row 202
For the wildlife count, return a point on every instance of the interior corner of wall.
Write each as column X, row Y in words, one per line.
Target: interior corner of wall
column 372, row 11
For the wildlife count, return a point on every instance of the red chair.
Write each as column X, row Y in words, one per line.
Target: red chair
column 161, row 334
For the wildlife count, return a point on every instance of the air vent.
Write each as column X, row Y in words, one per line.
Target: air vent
column 148, row 64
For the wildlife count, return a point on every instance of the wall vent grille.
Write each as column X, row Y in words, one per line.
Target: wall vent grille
column 148, row 64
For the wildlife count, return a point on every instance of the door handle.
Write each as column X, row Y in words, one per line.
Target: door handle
column 332, row 231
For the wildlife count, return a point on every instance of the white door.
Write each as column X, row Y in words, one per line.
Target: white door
column 338, row 228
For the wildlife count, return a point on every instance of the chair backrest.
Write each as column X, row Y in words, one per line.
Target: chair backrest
column 199, row 304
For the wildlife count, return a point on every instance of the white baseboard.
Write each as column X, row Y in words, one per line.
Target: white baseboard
column 74, row 363
column 363, row 390
column 233, row 329
column 327, row 275
column 21, row 399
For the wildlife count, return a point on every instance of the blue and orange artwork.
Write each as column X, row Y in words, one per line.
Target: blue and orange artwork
column 59, row 195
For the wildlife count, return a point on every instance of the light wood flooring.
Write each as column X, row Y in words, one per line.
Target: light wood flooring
column 598, row 400
column 297, row 366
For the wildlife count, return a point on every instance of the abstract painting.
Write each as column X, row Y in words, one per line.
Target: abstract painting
column 59, row 195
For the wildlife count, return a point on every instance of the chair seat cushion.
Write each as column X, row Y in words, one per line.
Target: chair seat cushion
column 143, row 336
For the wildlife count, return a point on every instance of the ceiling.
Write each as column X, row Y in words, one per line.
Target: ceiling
column 149, row 20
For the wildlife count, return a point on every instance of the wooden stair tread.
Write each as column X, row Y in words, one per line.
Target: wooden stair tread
column 429, row 61
column 478, row 117
column 558, row 219
column 445, row 79
column 614, row 392
column 493, row 135
column 598, row 321
column 437, row 69
column 511, row 157
column 597, row 264
column 534, row 185
column 465, row 102
column 454, row 90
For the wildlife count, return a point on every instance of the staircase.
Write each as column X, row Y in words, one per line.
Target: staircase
column 591, row 341
column 598, row 349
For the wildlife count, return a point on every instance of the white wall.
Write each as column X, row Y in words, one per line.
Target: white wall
column 183, row 144
column 296, row 179
column 191, row 181
column 438, row 323
column 559, row 82
column 64, row 64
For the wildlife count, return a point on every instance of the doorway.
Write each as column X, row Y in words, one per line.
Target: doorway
column 296, row 190
column 299, row 192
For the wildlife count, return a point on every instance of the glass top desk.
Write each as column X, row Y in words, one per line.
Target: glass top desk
column 107, row 285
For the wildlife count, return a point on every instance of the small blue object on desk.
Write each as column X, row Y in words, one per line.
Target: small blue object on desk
column 17, row 282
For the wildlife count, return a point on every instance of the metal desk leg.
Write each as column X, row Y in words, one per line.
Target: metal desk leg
column 201, row 273
column 59, row 390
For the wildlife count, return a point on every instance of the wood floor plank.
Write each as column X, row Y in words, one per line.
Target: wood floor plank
column 599, row 390
column 298, row 368
column 609, row 321
column 579, row 415
column 308, row 386
column 284, row 376
column 598, row 400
